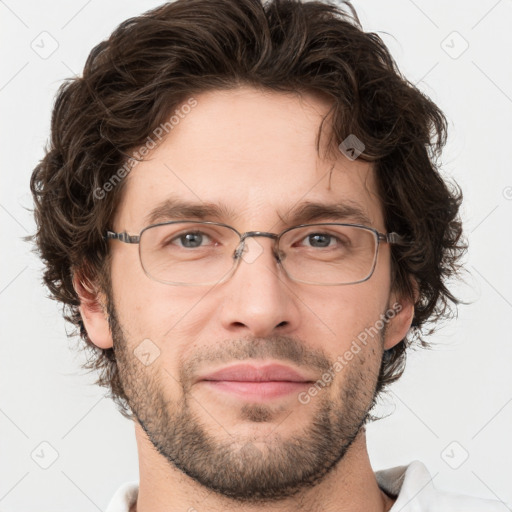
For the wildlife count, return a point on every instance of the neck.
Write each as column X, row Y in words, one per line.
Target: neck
column 350, row 486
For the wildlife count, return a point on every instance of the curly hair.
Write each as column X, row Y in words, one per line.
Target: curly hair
column 150, row 64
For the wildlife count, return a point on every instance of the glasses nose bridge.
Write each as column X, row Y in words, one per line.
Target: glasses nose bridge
column 249, row 234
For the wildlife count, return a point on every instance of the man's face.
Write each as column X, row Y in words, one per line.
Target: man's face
column 255, row 154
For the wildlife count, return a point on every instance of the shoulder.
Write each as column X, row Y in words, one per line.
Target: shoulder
column 415, row 492
column 124, row 497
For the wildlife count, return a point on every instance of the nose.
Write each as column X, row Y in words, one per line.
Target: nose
column 259, row 299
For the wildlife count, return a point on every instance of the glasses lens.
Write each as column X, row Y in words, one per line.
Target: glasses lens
column 328, row 253
column 188, row 252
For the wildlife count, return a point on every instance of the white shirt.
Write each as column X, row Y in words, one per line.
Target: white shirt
column 412, row 484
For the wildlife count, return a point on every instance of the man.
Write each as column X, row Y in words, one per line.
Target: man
column 241, row 210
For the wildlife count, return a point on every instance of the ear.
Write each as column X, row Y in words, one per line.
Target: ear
column 399, row 324
column 93, row 311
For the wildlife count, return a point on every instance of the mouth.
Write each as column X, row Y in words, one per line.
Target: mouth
column 257, row 383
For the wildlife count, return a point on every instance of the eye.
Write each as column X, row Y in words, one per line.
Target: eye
column 321, row 240
column 190, row 239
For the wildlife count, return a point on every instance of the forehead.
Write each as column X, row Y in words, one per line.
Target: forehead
column 253, row 153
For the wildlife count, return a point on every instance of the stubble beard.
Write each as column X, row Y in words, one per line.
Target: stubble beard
column 249, row 470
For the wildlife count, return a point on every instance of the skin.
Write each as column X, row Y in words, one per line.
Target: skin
column 255, row 152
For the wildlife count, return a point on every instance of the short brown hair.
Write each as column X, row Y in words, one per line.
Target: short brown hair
column 150, row 64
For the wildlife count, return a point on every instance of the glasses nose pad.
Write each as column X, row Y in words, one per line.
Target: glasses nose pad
column 239, row 250
column 280, row 256
column 249, row 250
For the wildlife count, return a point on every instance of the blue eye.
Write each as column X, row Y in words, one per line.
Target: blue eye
column 320, row 239
column 191, row 240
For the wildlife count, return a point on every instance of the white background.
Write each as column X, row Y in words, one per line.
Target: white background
column 460, row 392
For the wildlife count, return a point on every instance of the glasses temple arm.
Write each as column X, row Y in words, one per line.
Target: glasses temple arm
column 123, row 237
column 394, row 238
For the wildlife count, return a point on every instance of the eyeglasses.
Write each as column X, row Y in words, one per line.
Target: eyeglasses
column 207, row 253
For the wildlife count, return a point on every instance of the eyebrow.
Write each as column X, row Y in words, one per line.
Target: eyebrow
column 178, row 209
column 308, row 212
column 302, row 213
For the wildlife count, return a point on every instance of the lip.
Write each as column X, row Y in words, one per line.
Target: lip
column 257, row 383
column 252, row 373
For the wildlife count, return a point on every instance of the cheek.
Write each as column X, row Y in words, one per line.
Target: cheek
column 337, row 316
column 159, row 312
column 147, row 308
